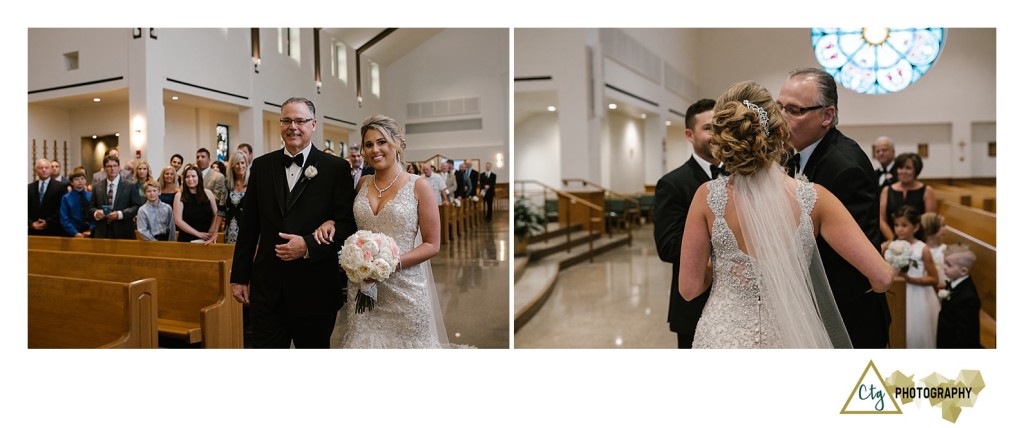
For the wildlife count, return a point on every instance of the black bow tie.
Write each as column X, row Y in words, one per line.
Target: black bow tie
column 715, row 171
column 288, row 161
column 793, row 164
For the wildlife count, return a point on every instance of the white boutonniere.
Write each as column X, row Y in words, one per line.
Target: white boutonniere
column 310, row 172
column 944, row 294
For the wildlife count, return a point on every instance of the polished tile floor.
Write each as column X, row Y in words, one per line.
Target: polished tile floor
column 618, row 301
column 472, row 276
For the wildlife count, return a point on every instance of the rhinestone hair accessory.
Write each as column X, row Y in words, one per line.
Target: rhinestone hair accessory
column 760, row 112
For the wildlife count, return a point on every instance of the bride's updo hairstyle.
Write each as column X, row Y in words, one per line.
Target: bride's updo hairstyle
column 389, row 129
column 748, row 132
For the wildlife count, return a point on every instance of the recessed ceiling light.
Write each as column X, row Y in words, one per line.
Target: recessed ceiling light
column 643, row 115
column 174, row 98
column 613, row 106
column 117, row 134
column 96, row 100
column 551, row 108
column 668, row 123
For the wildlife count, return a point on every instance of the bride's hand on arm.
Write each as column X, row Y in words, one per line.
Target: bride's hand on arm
column 844, row 235
column 325, row 233
column 696, row 248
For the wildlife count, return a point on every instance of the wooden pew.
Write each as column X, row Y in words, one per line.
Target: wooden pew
column 174, row 250
column 82, row 313
column 195, row 295
column 896, row 297
column 971, row 221
column 984, row 277
column 983, row 197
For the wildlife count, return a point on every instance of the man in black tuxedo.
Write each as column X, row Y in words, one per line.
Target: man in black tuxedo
column 487, row 182
column 121, row 199
column 884, row 152
column 358, row 165
column 460, row 181
column 959, row 326
column 809, row 101
column 470, row 178
column 44, row 202
column 672, row 199
column 292, row 283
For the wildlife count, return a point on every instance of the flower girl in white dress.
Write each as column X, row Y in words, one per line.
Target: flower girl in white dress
column 922, row 277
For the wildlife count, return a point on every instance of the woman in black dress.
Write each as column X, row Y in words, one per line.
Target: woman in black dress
column 195, row 210
column 906, row 191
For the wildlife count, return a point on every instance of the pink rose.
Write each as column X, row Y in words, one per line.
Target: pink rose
column 367, row 255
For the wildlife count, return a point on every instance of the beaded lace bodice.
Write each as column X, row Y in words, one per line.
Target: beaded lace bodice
column 401, row 317
column 737, row 313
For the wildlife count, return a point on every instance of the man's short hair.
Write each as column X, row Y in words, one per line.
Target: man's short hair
column 180, row 157
column 109, row 158
column 77, row 172
column 308, row 103
column 203, row 150
column 696, row 108
column 828, row 94
column 245, row 146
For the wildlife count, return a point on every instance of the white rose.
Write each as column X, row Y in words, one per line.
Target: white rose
column 944, row 293
column 310, row 172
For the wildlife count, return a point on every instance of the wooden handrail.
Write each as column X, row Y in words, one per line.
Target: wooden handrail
column 571, row 197
column 607, row 191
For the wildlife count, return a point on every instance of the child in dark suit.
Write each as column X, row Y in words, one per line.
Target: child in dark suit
column 959, row 326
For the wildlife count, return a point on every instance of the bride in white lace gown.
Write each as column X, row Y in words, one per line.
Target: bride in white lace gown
column 758, row 227
column 406, row 312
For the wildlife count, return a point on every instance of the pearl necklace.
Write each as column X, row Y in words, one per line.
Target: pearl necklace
column 380, row 192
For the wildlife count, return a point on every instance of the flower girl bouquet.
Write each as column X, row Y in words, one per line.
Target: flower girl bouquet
column 898, row 255
column 368, row 256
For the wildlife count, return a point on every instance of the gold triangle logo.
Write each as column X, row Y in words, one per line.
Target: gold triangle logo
column 870, row 395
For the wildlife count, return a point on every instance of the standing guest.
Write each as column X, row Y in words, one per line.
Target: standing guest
column 884, row 151
column 358, row 164
column 292, row 282
column 470, row 180
column 115, row 203
column 168, row 185
column 195, row 210
column 44, row 202
column 74, row 207
column 907, row 190
column 810, row 103
column 129, row 169
column 102, row 173
column 143, row 173
column 214, row 180
column 922, row 278
column 959, row 326
column 238, row 176
column 448, row 176
column 156, row 219
column 460, row 181
column 329, row 151
column 176, row 161
column 487, row 183
column 436, row 184
column 55, row 172
column 247, row 149
column 413, row 168
column 672, row 198
column 219, row 167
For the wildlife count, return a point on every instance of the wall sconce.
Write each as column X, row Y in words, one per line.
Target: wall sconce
column 499, row 160
column 360, row 100
column 318, row 85
column 256, row 64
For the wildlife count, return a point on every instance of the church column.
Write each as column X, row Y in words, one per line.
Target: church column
column 145, row 101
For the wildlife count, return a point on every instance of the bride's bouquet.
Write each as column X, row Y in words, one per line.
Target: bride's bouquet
column 368, row 256
column 898, row 255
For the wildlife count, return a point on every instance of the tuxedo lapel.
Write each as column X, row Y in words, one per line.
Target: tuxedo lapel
column 826, row 144
column 313, row 161
column 278, row 179
column 698, row 173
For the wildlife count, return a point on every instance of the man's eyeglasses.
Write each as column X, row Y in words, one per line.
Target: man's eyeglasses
column 111, row 166
column 288, row 121
column 793, row 110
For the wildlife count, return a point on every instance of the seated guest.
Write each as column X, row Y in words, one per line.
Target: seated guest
column 156, row 219
column 907, row 190
column 114, row 204
column 195, row 210
column 44, row 202
column 959, row 326
column 74, row 207
column 168, row 185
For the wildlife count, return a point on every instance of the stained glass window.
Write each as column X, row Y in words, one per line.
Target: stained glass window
column 877, row 60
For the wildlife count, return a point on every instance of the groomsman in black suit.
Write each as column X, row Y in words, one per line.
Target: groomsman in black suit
column 460, row 181
column 487, row 182
column 810, row 102
column 884, row 152
column 672, row 199
column 959, row 326
column 121, row 199
column 470, row 179
column 44, row 202
column 291, row 282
